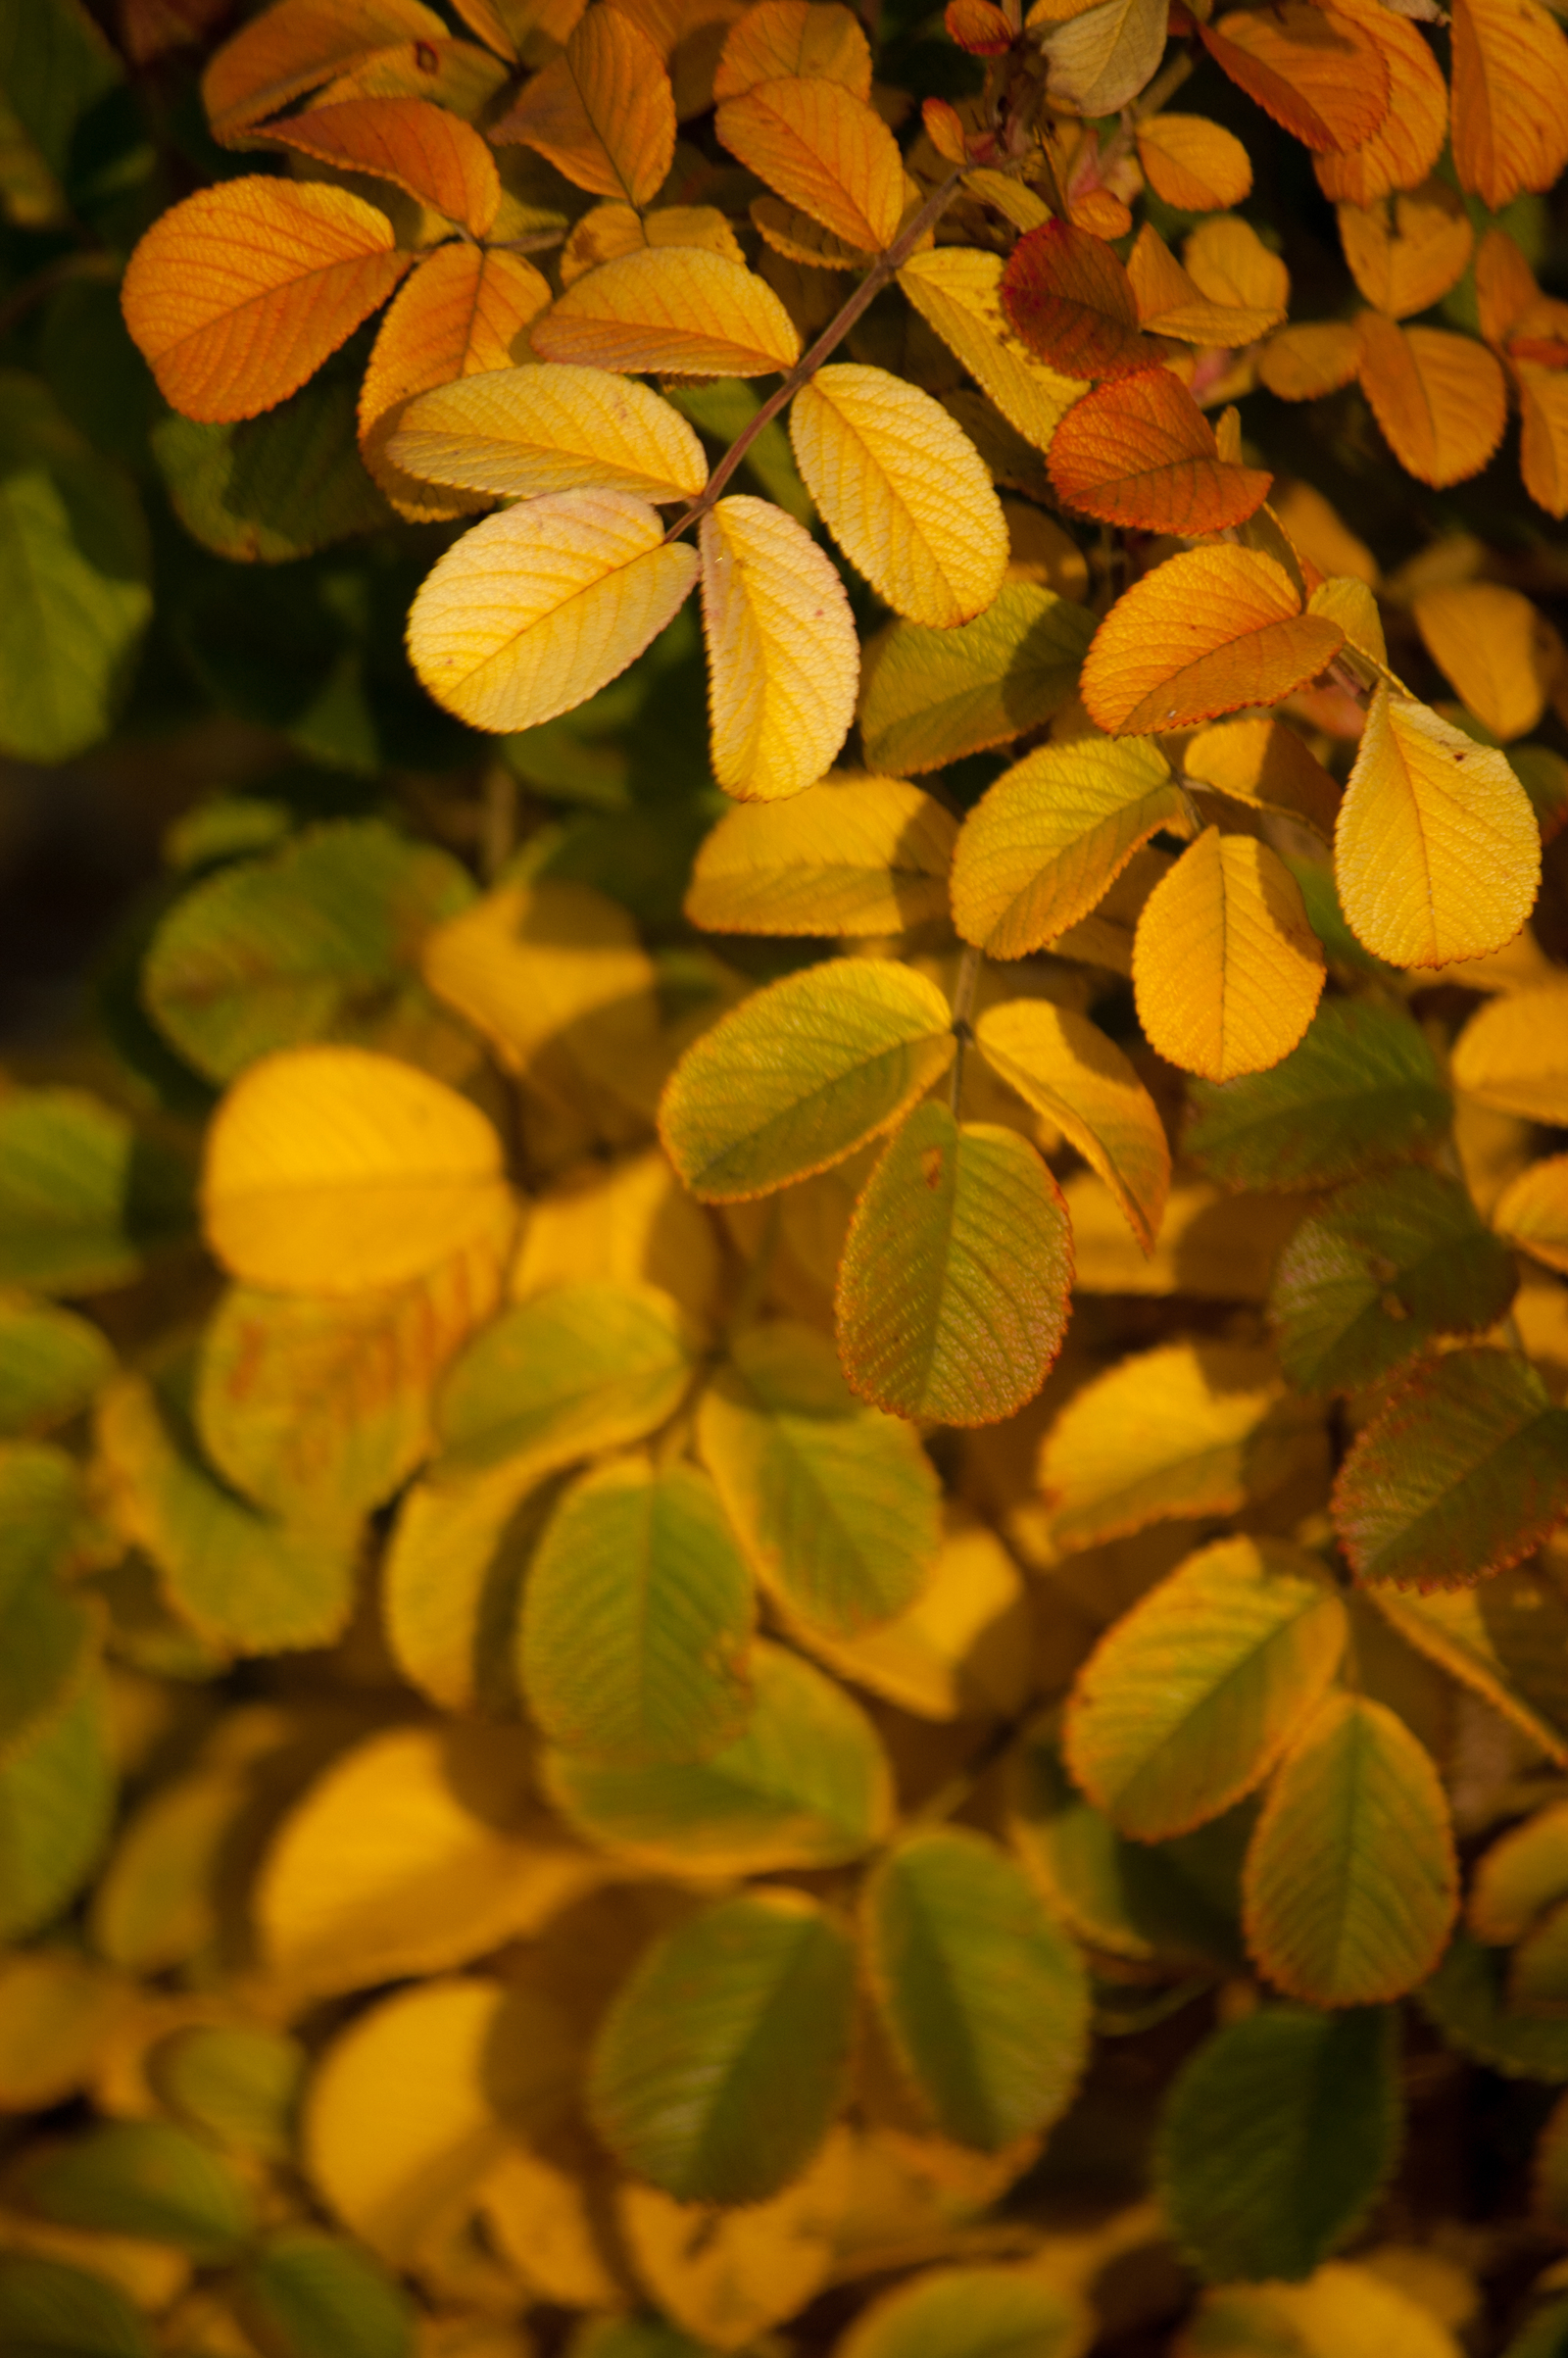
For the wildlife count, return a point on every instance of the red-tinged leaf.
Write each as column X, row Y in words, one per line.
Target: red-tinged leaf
column 1208, row 632
column 1072, row 303
column 435, row 156
column 1318, row 74
column 237, row 296
column 979, row 26
column 299, row 45
column 1140, row 453
column 1464, row 1473
column 603, row 111
column 1407, row 144
column 1440, row 399
column 1510, row 98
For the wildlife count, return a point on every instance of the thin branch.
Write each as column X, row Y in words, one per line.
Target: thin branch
column 962, row 1001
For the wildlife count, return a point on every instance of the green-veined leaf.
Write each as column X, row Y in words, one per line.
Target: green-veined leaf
column 929, row 697
column 83, row 1200
column 1363, row 1088
column 141, row 2178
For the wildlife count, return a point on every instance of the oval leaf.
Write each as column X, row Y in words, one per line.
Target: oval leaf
column 1140, row 453
column 431, row 153
column 603, row 111
column 672, row 309
column 848, row 856
column 520, row 432
column 1206, row 632
column 784, row 663
column 823, row 149
column 932, row 696
column 1226, row 968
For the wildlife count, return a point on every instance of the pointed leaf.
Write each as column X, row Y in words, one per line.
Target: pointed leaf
column 672, row 309
column 1494, row 649
column 297, row 46
column 431, row 153
column 953, row 1293
column 536, row 610
column 1068, row 1070
column 1510, row 98
column 1319, row 74
column 801, row 1074
column 1188, row 1700
column 603, row 111
column 1226, row 968
column 1205, row 633
column 1102, row 56
column 850, row 856
column 1514, row 1054
column 1070, row 300
column 1140, row 453
column 930, row 697
column 1350, row 1883
column 1409, row 141
column 1043, row 844
column 1440, row 399
column 983, row 1996
column 1194, row 165
column 521, row 432
column 784, row 663
column 1464, row 1473
column 958, row 291
column 237, row 295
column 782, row 37
column 612, row 229
column 821, row 148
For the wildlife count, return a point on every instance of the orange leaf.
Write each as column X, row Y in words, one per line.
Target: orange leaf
column 1505, row 285
column 1497, row 650
column 690, row 36
column 823, row 149
column 1140, row 453
column 943, row 127
column 1440, row 399
column 610, row 230
column 488, row 19
column 1303, row 364
column 1072, row 303
column 1101, row 213
column 1227, row 972
column 603, row 111
column 1319, row 76
column 781, row 38
column 1205, row 633
column 1172, row 302
column 433, row 155
column 1510, row 98
column 463, row 313
column 1543, row 434
column 1410, row 141
column 1228, row 261
column 298, row 46
column 237, row 296
column 459, row 76
column 673, row 311
column 979, row 26
column 1410, row 262
column 1193, row 163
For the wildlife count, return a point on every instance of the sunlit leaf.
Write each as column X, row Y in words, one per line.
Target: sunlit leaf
column 629, row 1221
column 57, row 2011
column 781, row 37
column 1440, row 399
column 784, row 663
column 1409, row 263
column 726, row 2276
column 1409, row 141
column 612, row 229
column 1318, row 74
column 1068, row 1069
column 296, row 47
column 1172, row 302
column 851, row 854
column 955, row 1653
column 1510, row 98
column 541, row 2220
column 1205, row 633
column 1533, row 1211
column 1072, row 302
column 930, row 697
column 957, row 290
column 822, row 148
column 1307, row 363
column 670, row 308
column 1265, row 762
column 431, row 153
column 1140, row 453
column 603, row 111
column 522, row 431
column 1226, row 968
column 1102, row 56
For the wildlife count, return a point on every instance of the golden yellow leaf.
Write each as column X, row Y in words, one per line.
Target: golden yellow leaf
column 296, row 47
column 1439, row 398
column 1317, row 73
column 1039, row 552
column 627, row 1222
column 904, row 492
column 433, row 155
column 334, row 1170
column 536, row 610
column 1171, row 302
column 955, row 289
column 783, row 659
column 801, row 239
column 1303, row 363
column 1510, row 98
column 56, row 2010
column 1227, row 970
column 603, row 111
column 850, row 856
column 1351, row 603
column 1543, row 434
column 819, row 147
column 1437, row 853
column 464, row 310
column 1266, row 762
column 520, row 432
column 541, row 2220
column 1497, row 652
column 1409, row 141
column 1340, row 2311
column 610, row 230
column 1514, row 1054
column 1067, row 1068
column 449, row 73
column 1228, row 261
column 1194, row 163
column 1409, row 262
column 239, row 294
column 674, row 311
column 787, row 38
column 1205, row 633
column 1533, row 1211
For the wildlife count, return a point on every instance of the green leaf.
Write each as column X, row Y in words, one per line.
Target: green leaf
column 320, row 942
column 75, row 580
column 930, row 697
column 51, row 1363
column 312, row 2295
column 1351, row 1882
column 244, row 1580
column 1048, row 839
column 236, row 2083
column 1276, row 2136
column 47, row 1632
column 805, row 1784
column 1188, row 1700
column 1363, row 1088
column 835, row 1504
column 451, row 1579
column 984, row 1998
column 801, row 1074
column 637, row 1619
column 1385, row 1265
column 83, row 1201
column 969, row 2313
column 1345, row 2310
column 146, row 2179
column 272, row 487
column 1538, row 1983
column 955, row 1285
column 726, row 2056
column 1465, row 2002
column 1505, row 1639
column 1463, row 1474
column 579, row 1369
column 57, row 1797
column 55, row 68
column 48, row 2311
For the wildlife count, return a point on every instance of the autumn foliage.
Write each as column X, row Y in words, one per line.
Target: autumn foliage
column 786, row 1392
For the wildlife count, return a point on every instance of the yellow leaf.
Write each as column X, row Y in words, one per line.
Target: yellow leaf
column 786, row 38
column 674, row 311
column 629, row 1222
column 1228, row 261
column 450, row 1576
column 1510, row 98
column 1533, row 1211
column 519, row 432
column 603, row 111
column 1348, row 602
column 1194, row 163
column 784, row 663
column 1497, row 652
column 1409, row 263
column 823, row 149
column 295, row 47
column 57, row 2009
column 433, row 155
column 689, row 35
column 1205, row 633
column 1040, row 554
column 537, row 609
column 333, row 1170
column 1439, row 398
column 1437, row 853
column 955, row 290
column 542, row 2222
column 801, row 239
column 1265, row 762
column 1067, row 1068
column 1343, row 2311
column 904, row 492
column 1514, row 1054
column 1226, row 968
column 1102, row 57
column 1543, row 434
column 850, row 856
column 1321, row 535
column 1222, row 1246
column 610, row 230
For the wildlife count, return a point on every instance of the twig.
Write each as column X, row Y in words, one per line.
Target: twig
column 962, row 1001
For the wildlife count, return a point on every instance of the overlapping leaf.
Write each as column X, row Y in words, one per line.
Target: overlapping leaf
column 849, row 855
column 1140, row 453
column 784, row 663
column 1070, row 300
column 603, row 111
column 51, row 1363
column 1409, row 141
column 1205, row 633
column 1494, row 649
column 1408, row 263
column 823, row 149
column 1510, row 98
column 672, row 309
column 1533, row 1211
column 1317, row 73
column 1068, row 1069
column 1267, row 763
column 1440, row 399
column 298, row 46
column 930, row 697
column 426, row 151
column 1243, row 295
column 1194, row 165
column 1514, row 1054
column 520, row 432
column 782, row 37
column 958, row 291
